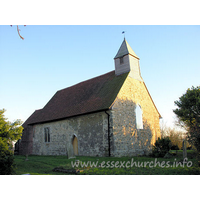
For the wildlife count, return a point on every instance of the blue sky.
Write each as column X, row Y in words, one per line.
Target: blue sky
column 51, row 58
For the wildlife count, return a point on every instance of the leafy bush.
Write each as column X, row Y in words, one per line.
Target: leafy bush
column 6, row 160
column 9, row 132
column 161, row 147
column 189, row 148
column 174, row 147
column 176, row 136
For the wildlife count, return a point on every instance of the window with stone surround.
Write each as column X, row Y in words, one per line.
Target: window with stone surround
column 139, row 120
column 46, row 134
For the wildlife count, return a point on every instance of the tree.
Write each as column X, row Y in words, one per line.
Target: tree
column 188, row 113
column 9, row 132
column 175, row 135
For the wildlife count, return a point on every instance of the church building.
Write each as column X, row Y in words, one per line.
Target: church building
column 109, row 115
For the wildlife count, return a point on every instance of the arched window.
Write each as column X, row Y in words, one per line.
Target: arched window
column 75, row 145
column 46, row 135
column 139, row 121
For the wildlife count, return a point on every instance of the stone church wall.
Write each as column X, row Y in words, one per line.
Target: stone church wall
column 26, row 142
column 91, row 131
column 127, row 139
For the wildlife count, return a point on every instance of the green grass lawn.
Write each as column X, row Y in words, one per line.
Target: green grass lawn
column 41, row 165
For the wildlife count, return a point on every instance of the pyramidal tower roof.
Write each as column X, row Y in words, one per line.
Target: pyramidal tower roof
column 125, row 49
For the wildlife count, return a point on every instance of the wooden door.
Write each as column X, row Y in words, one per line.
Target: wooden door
column 75, row 145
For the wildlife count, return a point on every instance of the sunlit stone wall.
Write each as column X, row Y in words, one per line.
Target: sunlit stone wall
column 90, row 130
column 127, row 139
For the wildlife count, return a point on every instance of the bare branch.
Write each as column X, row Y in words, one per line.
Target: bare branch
column 19, row 33
column 18, row 30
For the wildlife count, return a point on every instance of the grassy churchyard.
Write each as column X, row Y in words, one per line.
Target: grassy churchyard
column 143, row 165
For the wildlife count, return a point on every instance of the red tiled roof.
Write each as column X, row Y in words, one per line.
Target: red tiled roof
column 89, row 96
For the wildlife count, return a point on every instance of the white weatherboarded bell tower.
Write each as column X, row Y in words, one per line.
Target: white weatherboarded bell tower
column 127, row 61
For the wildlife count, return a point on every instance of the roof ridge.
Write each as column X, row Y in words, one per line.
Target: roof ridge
column 89, row 96
column 90, row 79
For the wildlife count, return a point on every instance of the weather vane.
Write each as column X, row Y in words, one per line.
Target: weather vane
column 123, row 32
